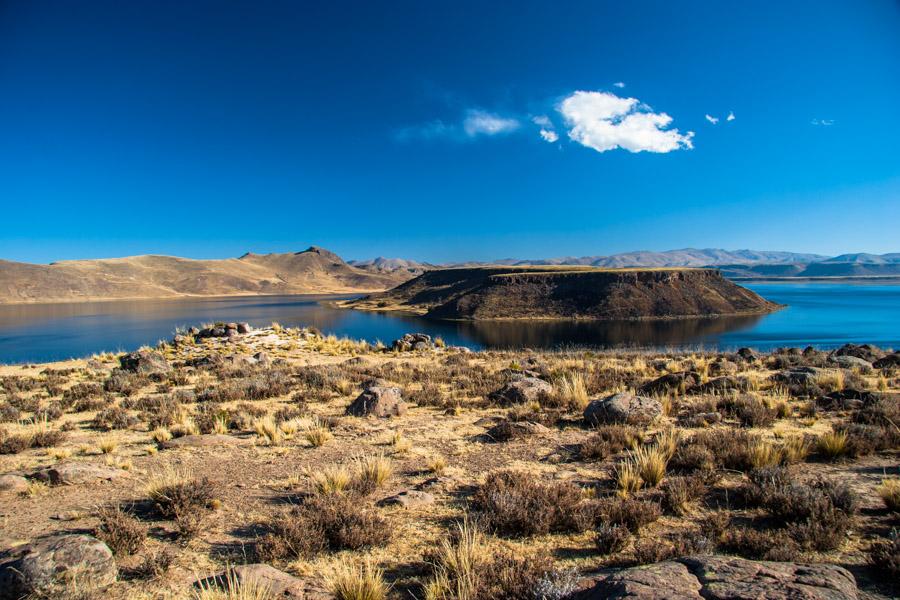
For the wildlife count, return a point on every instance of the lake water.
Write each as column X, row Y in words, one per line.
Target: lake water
column 822, row 314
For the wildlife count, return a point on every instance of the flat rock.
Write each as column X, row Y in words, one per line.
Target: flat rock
column 727, row 578
column 623, row 407
column 410, row 499
column 378, row 401
column 846, row 361
column 74, row 473
column 522, row 391
column 278, row 583
column 202, row 441
column 39, row 565
column 13, row 483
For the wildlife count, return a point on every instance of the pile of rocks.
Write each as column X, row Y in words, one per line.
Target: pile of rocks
column 413, row 341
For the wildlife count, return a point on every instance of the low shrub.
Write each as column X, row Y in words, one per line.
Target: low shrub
column 611, row 538
column 516, row 503
column 679, row 492
column 884, row 555
column 608, row 440
column 120, row 531
column 631, row 513
column 760, row 544
column 114, row 417
column 750, row 411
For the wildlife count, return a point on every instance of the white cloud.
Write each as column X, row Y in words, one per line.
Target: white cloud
column 479, row 122
column 604, row 121
column 549, row 135
column 823, row 122
column 619, row 84
column 542, row 121
column 730, row 116
column 712, row 120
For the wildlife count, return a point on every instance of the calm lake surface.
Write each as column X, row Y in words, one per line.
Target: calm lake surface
column 822, row 314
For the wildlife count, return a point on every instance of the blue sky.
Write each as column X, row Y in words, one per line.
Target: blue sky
column 447, row 130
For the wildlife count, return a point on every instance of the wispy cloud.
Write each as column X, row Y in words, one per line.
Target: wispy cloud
column 712, row 120
column 479, row 122
column 730, row 116
column 542, row 121
column 619, row 84
column 603, row 121
column 823, row 122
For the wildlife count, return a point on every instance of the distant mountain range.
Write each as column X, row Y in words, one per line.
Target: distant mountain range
column 318, row 271
column 751, row 264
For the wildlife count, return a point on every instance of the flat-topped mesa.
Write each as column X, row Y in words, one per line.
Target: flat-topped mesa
column 567, row 293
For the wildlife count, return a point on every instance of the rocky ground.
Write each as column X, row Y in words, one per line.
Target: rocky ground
column 239, row 463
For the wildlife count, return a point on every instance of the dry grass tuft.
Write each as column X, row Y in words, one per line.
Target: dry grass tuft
column 889, row 492
column 357, row 582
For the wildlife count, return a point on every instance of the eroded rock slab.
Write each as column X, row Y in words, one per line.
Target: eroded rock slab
column 378, row 401
column 727, row 578
column 41, row 564
column 75, row 473
column 278, row 583
column 623, row 407
column 410, row 499
column 13, row 484
column 203, row 441
column 148, row 362
column 522, row 391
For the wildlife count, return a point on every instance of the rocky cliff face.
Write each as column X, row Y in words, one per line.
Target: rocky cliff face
column 566, row 293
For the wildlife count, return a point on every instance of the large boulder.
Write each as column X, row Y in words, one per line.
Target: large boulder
column 521, row 391
column 671, row 382
column 623, row 407
column 42, row 564
column 747, row 355
column 13, row 483
column 147, row 362
column 412, row 341
column 379, row 401
column 727, row 578
column 846, row 361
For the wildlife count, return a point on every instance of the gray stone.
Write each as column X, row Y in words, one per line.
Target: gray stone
column 850, row 362
column 522, row 391
column 623, row 407
column 378, row 401
column 891, row 360
column 74, row 473
column 410, row 499
column 38, row 566
column 278, row 583
column 244, row 328
column 13, row 483
column 203, row 441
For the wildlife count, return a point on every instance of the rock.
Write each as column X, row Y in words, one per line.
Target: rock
column 748, row 354
column 13, row 483
column 866, row 352
column 148, row 362
column 889, row 361
column 799, row 375
column 412, row 341
column 727, row 578
column 508, row 430
column 410, row 499
column 722, row 367
column 262, row 359
column 243, row 328
column 672, row 382
column 522, row 391
column 378, row 401
column 849, row 399
column 74, row 473
column 278, row 583
column 39, row 565
column 460, row 349
column 727, row 383
column 203, row 441
column 850, row 362
column 623, row 407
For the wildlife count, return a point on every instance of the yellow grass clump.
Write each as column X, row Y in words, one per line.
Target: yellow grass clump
column 889, row 491
column 357, row 582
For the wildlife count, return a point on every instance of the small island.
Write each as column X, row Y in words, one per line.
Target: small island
column 528, row 292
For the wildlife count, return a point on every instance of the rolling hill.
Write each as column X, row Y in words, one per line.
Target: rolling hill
column 314, row 270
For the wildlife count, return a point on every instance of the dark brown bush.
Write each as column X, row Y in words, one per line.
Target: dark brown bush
column 516, row 503
column 49, row 412
column 9, row 413
column 154, row 565
column 608, row 440
column 760, row 544
column 730, row 448
column 47, row 438
column 611, row 538
column 120, row 531
column 511, row 576
column 125, row 383
column 81, row 391
column 691, row 456
column 631, row 513
column 750, row 411
column 679, row 491
column 207, row 414
column 13, row 444
column 114, row 417
column 326, row 522
column 184, row 497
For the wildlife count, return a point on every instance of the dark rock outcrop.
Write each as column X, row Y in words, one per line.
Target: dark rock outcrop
column 147, row 362
column 889, row 361
column 521, row 391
